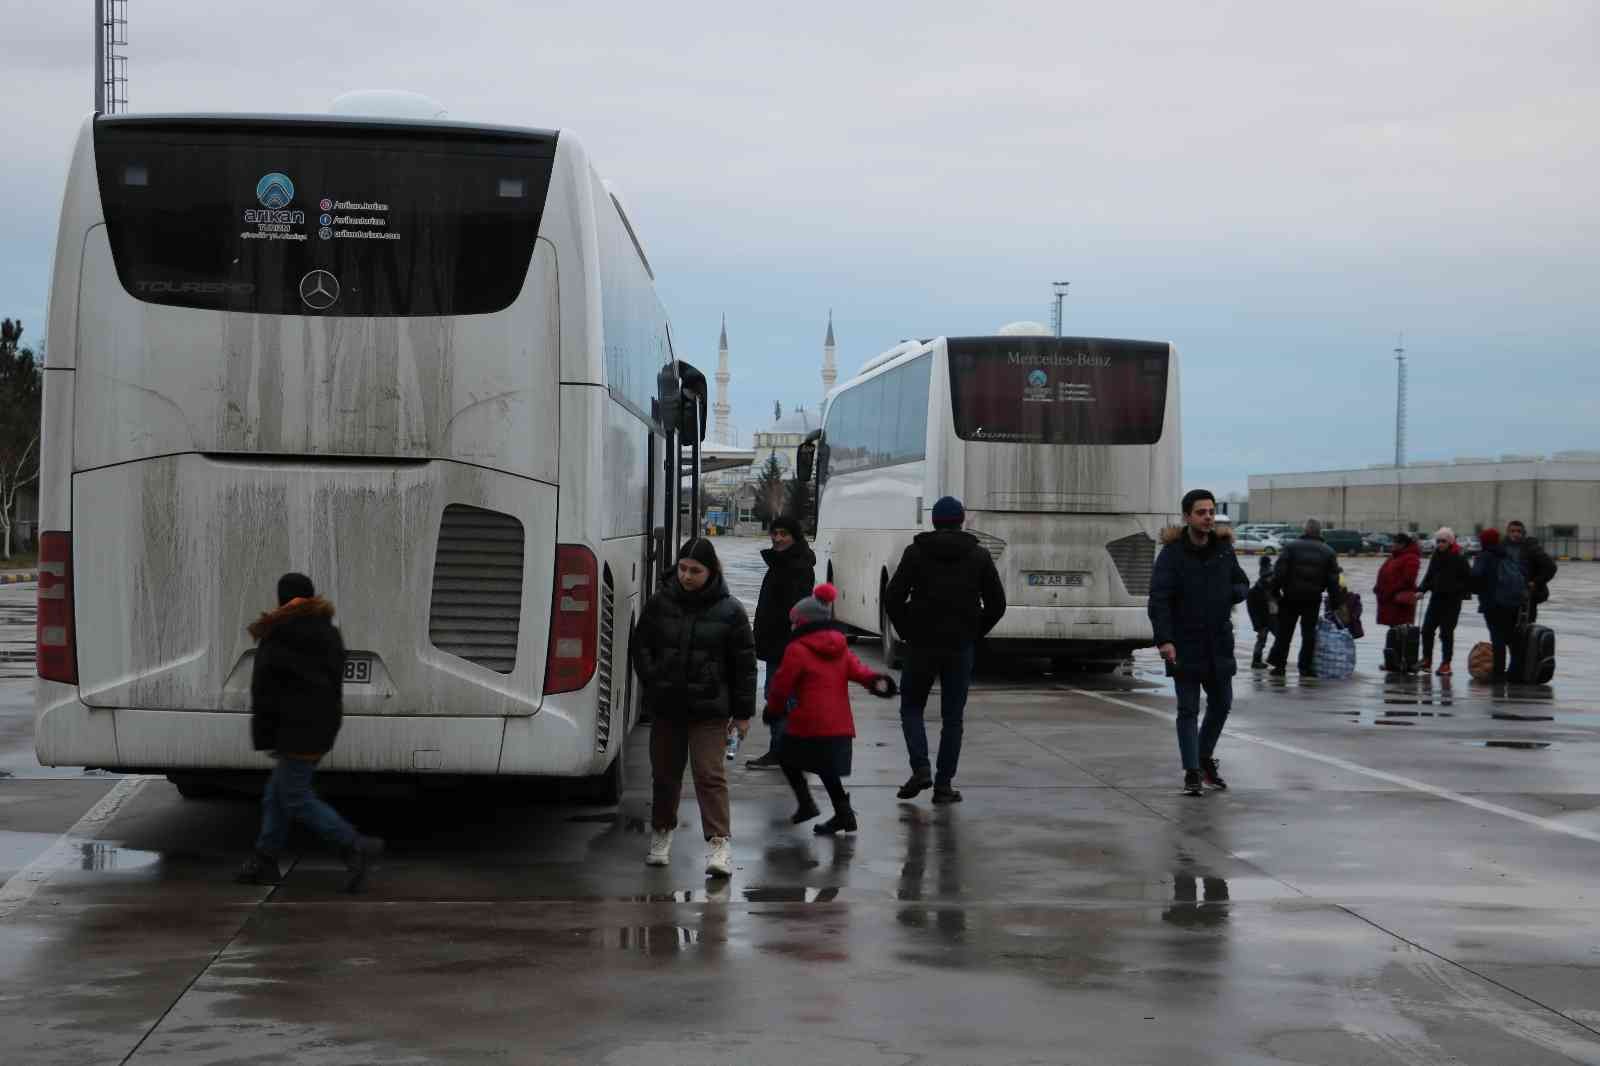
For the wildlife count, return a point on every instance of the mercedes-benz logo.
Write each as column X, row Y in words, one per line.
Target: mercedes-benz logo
column 319, row 290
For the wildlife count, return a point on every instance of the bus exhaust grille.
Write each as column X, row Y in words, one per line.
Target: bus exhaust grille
column 1135, row 556
column 477, row 587
column 608, row 614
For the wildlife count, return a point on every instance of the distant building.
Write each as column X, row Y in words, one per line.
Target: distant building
column 1557, row 498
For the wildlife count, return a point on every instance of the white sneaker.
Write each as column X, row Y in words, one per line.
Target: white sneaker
column 719, row 863
column 660, row 848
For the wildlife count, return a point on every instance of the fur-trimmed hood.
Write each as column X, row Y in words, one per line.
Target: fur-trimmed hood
column 1223, row 534
column 299, row 607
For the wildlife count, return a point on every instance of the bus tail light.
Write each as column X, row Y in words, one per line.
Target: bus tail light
column 574, row 620
column 57, row 634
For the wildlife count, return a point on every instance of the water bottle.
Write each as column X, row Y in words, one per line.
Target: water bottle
column 733, row 744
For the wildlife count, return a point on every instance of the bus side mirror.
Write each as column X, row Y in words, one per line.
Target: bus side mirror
column 669, row 397
column 805, row 458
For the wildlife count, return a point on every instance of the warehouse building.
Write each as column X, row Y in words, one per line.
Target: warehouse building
column 1557, row 498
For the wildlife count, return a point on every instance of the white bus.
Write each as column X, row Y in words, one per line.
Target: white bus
column 420, row 362
column 1066, row 452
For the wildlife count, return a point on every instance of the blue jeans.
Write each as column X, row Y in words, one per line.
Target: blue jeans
column 289, row 799
column 953, row 669
column 775, row 729
column 1199, row 743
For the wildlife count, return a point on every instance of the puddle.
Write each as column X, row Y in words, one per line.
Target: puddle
column 1506, row 716
column 1519, row 745
column 790, row 894
column 96, row 856
column 611, row 817
column 1197, row 902
column 650, row 939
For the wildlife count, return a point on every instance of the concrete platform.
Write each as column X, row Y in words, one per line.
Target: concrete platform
column 1402, row 872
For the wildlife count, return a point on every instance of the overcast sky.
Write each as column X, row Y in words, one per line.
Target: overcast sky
column 1278, row 188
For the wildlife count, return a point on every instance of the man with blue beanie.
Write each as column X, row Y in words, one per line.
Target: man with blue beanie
column 945, row 596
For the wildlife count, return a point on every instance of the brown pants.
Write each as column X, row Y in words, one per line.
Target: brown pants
column 701, row 746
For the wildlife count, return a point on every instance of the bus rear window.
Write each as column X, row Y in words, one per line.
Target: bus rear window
column 277, row 216
column 1048, row 390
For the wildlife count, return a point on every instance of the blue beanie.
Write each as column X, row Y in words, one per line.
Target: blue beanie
column 948, row 512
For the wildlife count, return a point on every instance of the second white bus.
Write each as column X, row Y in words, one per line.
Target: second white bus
column 1066, row 453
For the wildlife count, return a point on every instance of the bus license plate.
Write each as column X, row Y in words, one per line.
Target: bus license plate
column 358, row 670
column 1057, row 579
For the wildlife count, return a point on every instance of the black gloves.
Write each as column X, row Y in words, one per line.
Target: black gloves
column 883, row 687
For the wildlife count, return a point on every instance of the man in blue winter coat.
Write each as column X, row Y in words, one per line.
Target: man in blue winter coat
column 1197, row 581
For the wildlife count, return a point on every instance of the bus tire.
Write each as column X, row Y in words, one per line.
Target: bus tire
column 607, row 788
column 893, row 649
column 194, row 788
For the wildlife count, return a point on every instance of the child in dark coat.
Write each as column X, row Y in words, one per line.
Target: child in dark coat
column 296, row 706
column 816, row 671
column 1262, row 604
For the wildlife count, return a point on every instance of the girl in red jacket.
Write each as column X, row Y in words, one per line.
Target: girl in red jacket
column 816, row 671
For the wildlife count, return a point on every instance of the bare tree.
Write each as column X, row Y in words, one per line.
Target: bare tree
column 21, row 390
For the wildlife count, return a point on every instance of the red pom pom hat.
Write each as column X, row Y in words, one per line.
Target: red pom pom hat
column 817, row 607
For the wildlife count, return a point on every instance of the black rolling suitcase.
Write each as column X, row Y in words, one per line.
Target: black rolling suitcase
column 1533, row 652
column 1402, row 649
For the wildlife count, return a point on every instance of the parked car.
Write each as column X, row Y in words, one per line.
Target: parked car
column 1344, row 541
column 1257, row 544
column 1377, row 542
column 1470, row 545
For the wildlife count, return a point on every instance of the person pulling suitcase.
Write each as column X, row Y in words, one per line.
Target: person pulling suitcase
column 1396, row 593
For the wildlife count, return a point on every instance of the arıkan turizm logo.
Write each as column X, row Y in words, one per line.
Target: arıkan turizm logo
column 275, row 191
column 1038, row 379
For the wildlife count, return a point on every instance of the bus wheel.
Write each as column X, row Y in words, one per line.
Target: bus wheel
column 194, row 788
column 892, row 648
column 607, row 788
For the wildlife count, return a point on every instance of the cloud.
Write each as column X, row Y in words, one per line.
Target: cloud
column 1277, row 188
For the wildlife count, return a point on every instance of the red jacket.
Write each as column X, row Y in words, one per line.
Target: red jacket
column 1398, row 574
column 817, row 669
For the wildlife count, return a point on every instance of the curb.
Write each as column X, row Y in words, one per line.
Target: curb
column 19, row 578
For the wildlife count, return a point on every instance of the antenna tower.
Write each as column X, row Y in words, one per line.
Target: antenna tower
column 1400, row 404
column 110, row 64
column 1060, row 290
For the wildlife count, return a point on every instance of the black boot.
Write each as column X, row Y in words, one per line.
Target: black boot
column 920, row 781
column 359, row 858
column 843, row 821
column 259, row 869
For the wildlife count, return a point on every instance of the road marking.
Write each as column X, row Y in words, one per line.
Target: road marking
column 1367, row 771
column 67, row 851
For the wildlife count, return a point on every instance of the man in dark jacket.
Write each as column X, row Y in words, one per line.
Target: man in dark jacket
column 944, row 597
column 1306, row 569
column 296, row 706
column 1535, row 562
column 1500, row 584
column 1263, row 606
column 1193, row 589
column 790, row 577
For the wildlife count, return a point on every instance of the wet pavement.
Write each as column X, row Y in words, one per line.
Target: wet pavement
column 1404, row 871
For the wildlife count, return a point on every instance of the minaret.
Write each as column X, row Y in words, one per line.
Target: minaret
column 721, row 407
column 829, row 374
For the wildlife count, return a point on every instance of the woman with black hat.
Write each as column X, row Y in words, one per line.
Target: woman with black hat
column 695, row 655
column 791, row 573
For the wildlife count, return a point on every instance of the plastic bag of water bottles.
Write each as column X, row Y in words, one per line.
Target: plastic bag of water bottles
column 733, row 744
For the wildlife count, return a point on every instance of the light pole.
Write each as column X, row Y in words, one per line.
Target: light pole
column 1060, row 290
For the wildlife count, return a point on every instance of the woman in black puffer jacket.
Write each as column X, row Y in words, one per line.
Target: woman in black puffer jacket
column 695, row 654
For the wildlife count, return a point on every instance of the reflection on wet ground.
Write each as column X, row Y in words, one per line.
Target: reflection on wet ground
column 1074, row 908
